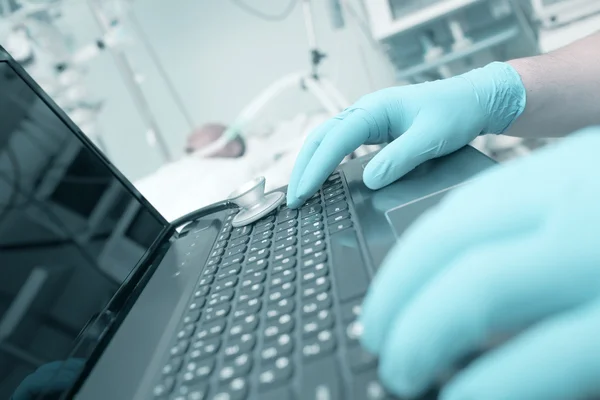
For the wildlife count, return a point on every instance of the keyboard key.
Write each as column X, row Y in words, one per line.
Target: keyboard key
column 191, row 317
column 360, row 360
column 239, row 241
column 317, row 286
column 283, row 277
column 289, row 251
column 251, row 292
column 242, row 231
column 334, row 200
column 237, row 389
column 258, row 255
column 314, row 272
column 312, row 237
column 173, row 366
column 352, row 280
column 314, row 259
column 313, row 202
column 265, row 220
column 180, row 348
column 333, row 194
column 238, row 345
column 246, row 325
column 333, row 188
column 217, row 252
column 241, row 249
column 276, row 374
column 285, row 234
column 315, row 226
column 283, row 306
column 321, row 378
column 322, row 301
column 366, row 386
column 282, row 346
column 283, row 292
column 259, row 265
column 249, row 307
column 274, row 328
column 338, row 218
column 249, row 280
column 197, row 304
column 186, row 332
column 239, row 366
column 228, row 271
column 332, row 178
column 284, row 264
column 210, row 330
column 261, row 244
column 311, row 325
column 345, row 224
column 282, row 244
column 290, row 223
column 264, row 227
column 209, row 270
column 237, row 259
column 351, row 310
column 223, row 236
column 196, row 391
column 213, row 261
column 286, row 214
column 202, row 349
column 262, row 236
column 313, row 247
column 336, row 208
column 228, row 294
column 219, row 311
column 203, row 370
column 309, row 210
column 207, row 280
column 202, row 291
column 351, row 334
column 225, row 284
column 164, row 388
column 311, row 220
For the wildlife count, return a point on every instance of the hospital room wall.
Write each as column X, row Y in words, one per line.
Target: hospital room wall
column 219, row 58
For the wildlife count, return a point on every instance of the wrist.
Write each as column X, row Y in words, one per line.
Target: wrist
column 501, row 94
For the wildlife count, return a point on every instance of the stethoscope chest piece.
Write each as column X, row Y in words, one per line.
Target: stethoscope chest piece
column 253, row 202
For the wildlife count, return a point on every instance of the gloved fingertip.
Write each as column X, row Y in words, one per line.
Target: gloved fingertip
column 459, row 391
column 375, row 174
column 397, row 384
column 293, row 202
column 368, row 338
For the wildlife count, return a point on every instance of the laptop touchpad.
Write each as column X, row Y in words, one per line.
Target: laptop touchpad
column 401, row 217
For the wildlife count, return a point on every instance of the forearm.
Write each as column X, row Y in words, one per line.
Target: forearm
column 563, row 90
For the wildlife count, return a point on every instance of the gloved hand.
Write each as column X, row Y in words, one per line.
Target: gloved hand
column 421, row 121
column 515, row 253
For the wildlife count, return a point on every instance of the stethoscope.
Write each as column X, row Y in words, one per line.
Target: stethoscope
column 251, row 199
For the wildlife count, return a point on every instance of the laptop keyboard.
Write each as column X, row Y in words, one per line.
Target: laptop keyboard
column 270, row 318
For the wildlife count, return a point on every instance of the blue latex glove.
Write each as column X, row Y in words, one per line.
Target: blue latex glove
column 421, row 121
column 514, row 253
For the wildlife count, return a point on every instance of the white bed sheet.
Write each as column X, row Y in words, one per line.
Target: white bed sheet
column 193, row 182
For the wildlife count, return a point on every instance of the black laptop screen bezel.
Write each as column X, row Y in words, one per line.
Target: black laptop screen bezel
column 134, row 282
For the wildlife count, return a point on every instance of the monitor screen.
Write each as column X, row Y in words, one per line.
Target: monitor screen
column 70, row 234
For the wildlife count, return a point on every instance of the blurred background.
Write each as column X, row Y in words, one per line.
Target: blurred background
column 192, row 98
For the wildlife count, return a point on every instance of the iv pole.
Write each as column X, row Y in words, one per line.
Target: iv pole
column 128, row 76
column 320, row 87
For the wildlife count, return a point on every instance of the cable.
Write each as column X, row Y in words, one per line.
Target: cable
column 213, row 208
column 267, row 17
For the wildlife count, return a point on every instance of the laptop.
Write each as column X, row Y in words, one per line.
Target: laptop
column 102, row 298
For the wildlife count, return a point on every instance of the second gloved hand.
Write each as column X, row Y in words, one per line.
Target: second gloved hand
column 421, row 121
column 514, row 254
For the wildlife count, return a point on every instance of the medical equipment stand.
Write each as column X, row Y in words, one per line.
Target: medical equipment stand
column 320, row 87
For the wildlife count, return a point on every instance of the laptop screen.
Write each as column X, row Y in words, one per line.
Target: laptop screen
column 70, row 233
